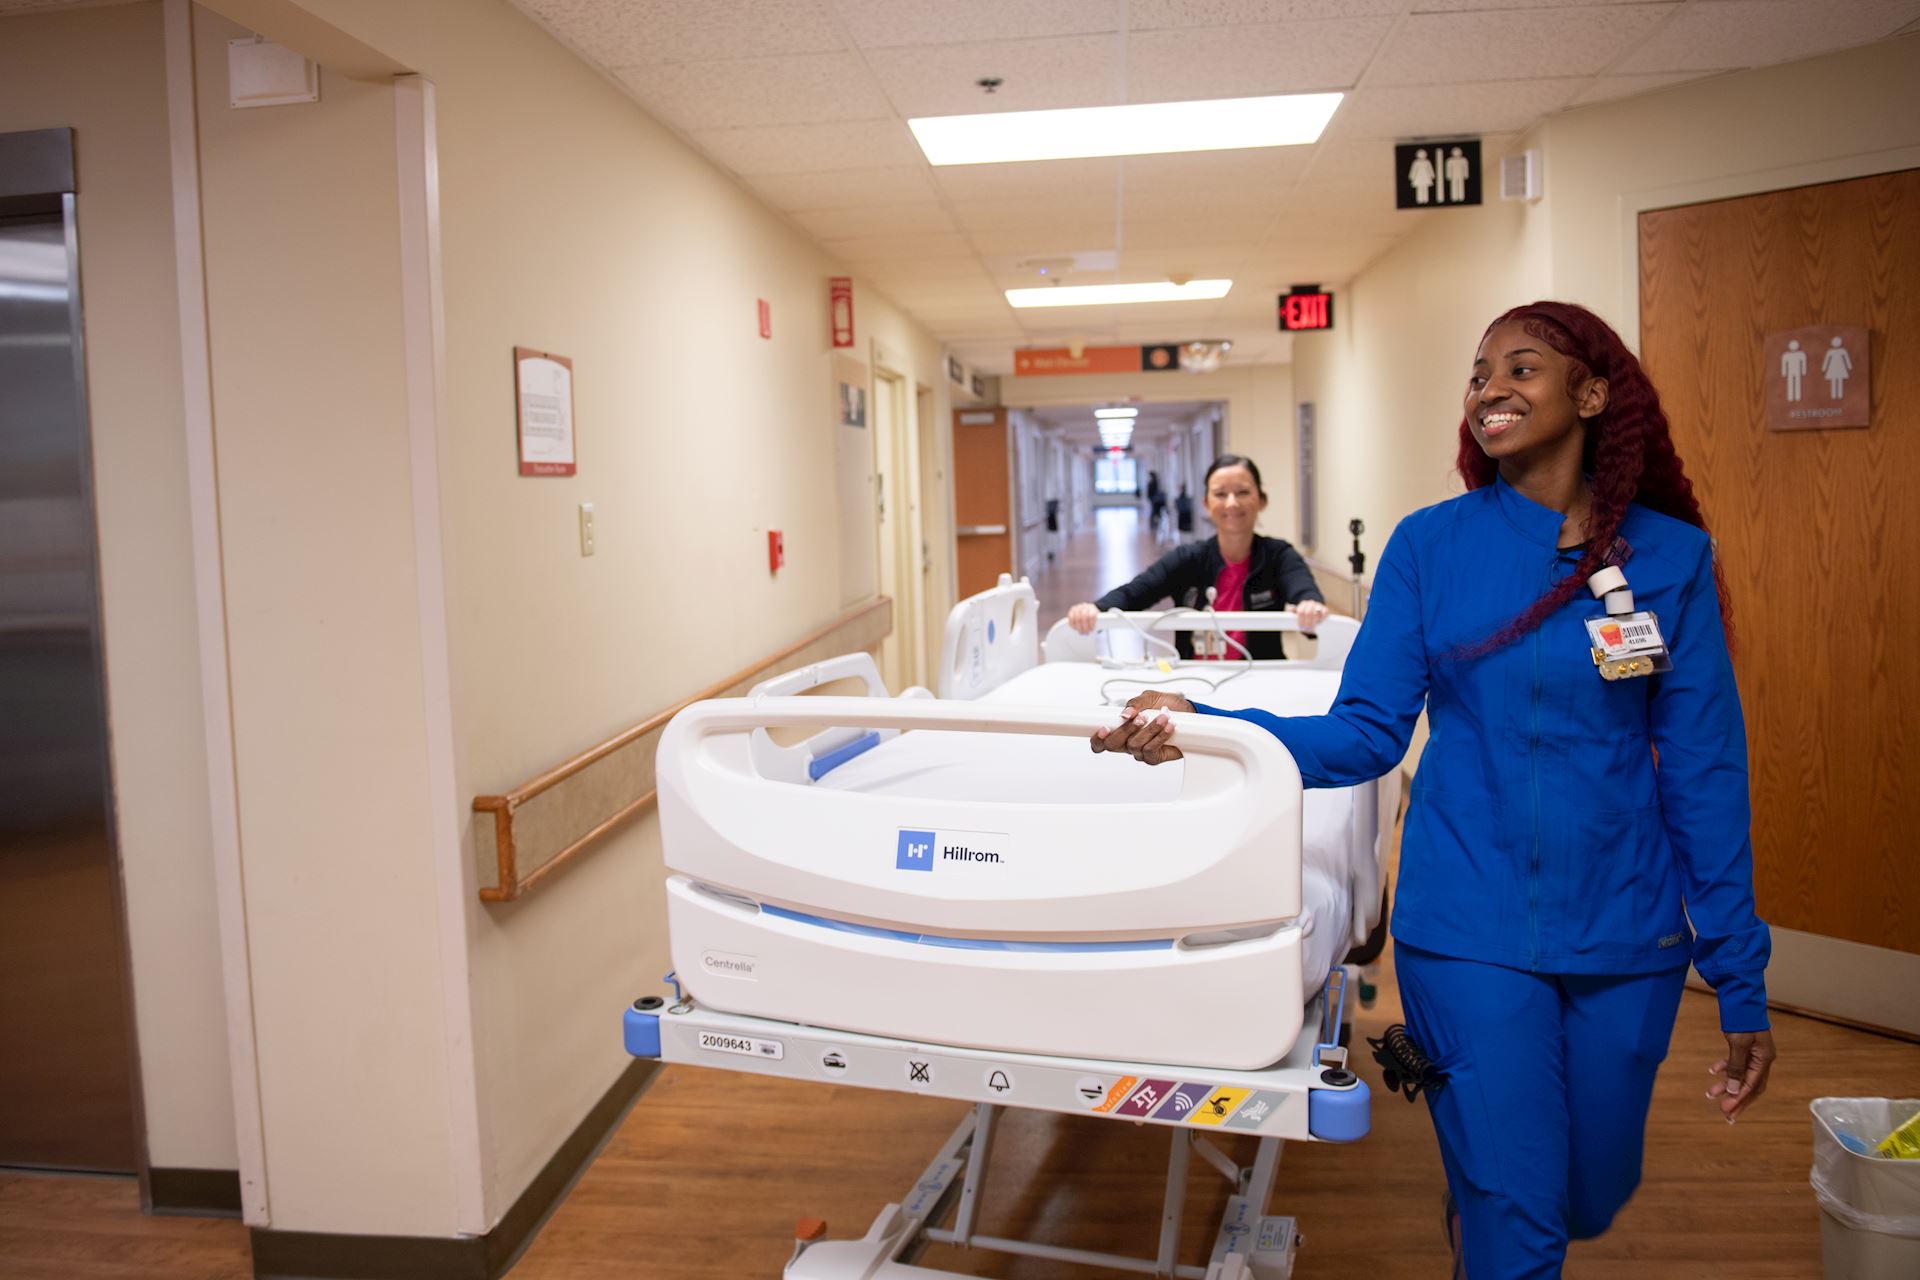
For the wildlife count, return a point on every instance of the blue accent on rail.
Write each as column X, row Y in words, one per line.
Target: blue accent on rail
column 1340, row 1115
column 966, row 944
column 642, row 1033
column 820, row 766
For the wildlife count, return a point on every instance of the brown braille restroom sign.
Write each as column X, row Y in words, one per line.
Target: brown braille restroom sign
column 1816, row 377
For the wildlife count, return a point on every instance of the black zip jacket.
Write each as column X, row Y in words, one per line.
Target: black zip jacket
column 1277, row 578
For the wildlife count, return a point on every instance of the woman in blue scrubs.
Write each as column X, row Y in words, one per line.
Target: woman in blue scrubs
column 1573, row 841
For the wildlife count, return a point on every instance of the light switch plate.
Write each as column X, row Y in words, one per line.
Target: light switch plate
column 586, row 528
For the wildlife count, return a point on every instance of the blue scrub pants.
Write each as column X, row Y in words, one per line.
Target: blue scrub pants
column 1544, row 1113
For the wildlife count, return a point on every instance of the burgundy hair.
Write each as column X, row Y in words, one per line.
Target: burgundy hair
column 1628, row 455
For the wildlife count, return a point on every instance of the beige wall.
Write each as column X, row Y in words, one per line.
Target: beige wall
column 1731, row 128
column 329, row 707
column 100, row 72
column 1386, row 383
column 574, row 223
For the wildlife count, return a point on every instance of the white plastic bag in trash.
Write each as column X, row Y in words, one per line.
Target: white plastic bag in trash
column 1870, row 1192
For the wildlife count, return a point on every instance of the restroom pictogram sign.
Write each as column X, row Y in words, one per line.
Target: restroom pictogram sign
column 1816, row 377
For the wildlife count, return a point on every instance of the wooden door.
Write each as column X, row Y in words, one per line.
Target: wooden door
column 1819, row 538
column 982, row 499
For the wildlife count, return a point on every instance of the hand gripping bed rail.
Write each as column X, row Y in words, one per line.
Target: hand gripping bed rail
column 1121, row 636
column 1224, row 854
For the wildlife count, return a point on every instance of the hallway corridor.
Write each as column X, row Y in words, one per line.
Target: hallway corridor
column 1096, row 560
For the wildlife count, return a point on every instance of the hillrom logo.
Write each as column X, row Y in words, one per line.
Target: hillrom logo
column 916, row 850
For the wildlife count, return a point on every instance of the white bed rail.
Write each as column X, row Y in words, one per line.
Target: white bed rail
column 1120, row 636
column 991, row 637
column 1011, row 869
column 814, row 757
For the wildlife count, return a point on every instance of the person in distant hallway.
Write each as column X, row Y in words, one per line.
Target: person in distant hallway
column 1249, row 573
column 1156, row 501
column 1183, row 511
column 1574, row 840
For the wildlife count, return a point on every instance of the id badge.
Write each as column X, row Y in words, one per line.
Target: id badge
column 1628, row 646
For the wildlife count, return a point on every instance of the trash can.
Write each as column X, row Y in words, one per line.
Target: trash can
column 1869, row 1204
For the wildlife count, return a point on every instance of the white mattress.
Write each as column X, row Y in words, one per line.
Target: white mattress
column 1040, row 768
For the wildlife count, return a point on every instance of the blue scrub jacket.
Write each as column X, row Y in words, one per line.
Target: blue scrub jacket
column 1542, row 835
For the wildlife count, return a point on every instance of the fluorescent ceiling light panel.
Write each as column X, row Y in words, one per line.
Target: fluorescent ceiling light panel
column 1140, row 129
column 1101, row 295
column 1116, row 413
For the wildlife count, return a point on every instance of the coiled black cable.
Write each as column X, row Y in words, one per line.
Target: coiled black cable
column 1404, row 1065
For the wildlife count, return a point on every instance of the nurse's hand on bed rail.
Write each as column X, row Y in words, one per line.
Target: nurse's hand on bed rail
column 1743, row 1072
column 1141, row 734
column 1083, row 617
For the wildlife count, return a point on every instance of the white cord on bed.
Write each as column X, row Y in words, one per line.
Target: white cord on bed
column 1212, row 685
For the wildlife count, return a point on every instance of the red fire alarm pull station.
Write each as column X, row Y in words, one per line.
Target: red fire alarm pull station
column 776, row 551
column 766, row 318
column 840, row 309
column 1306, row 307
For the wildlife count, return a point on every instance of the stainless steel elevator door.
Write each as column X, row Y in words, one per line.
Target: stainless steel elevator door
column 66, row 1061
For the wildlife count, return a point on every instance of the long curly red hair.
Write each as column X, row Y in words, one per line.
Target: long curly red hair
column 1628, row 455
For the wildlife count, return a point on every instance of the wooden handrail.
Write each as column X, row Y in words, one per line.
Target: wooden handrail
column 511, row 884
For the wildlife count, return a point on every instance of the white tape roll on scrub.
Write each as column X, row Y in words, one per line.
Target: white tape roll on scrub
column 1610, row 585
column 1605, row 579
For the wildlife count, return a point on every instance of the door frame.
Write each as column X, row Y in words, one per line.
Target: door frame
column 897, row 464
column 1809, row 973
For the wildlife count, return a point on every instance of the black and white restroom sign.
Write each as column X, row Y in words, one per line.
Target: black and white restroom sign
column 1436, row 175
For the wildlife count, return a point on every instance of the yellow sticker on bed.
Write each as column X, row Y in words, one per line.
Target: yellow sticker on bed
column 1218, row 1106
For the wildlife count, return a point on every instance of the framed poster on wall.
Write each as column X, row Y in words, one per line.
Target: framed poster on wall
column 543, row 412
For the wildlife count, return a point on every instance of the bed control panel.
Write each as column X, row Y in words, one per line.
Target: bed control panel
column 1284, row 1100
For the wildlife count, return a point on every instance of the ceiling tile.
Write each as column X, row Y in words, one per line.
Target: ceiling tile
column 1058, row 240
column 809, row 148
column 1034, row 215
column 1147, row 15
column 1720, row 34
column 880, row 24
column 1454, row 6
column 930, row 244
column 796, row 89
column 1500, row 106
column 1037, row 75
column 1607, row 88
column 1240, row 62
column 1209, row 175
column 846, row 188
column 1452, row 48
column 1034, row 180
column 874, row 220
column 1199, row 230
column 621, row 33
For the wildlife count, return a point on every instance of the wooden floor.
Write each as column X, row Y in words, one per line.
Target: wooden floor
column 704, row 1180
column 1112, row 550
column 705, row 1177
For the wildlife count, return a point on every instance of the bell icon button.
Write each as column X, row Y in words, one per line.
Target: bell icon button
column 999, row 1083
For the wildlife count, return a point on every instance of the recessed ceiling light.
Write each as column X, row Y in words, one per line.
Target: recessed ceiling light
column 1099, row 295
column 1116, row 413
column 1140, row 129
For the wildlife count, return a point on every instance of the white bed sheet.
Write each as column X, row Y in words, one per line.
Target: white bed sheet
column 1022, row 768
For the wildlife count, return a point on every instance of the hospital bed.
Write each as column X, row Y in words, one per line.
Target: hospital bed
column 955, row 897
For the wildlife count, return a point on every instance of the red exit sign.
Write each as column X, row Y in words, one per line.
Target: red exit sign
column 1306, row 307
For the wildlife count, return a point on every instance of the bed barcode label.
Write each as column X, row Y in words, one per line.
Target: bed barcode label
column 721, row 1042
